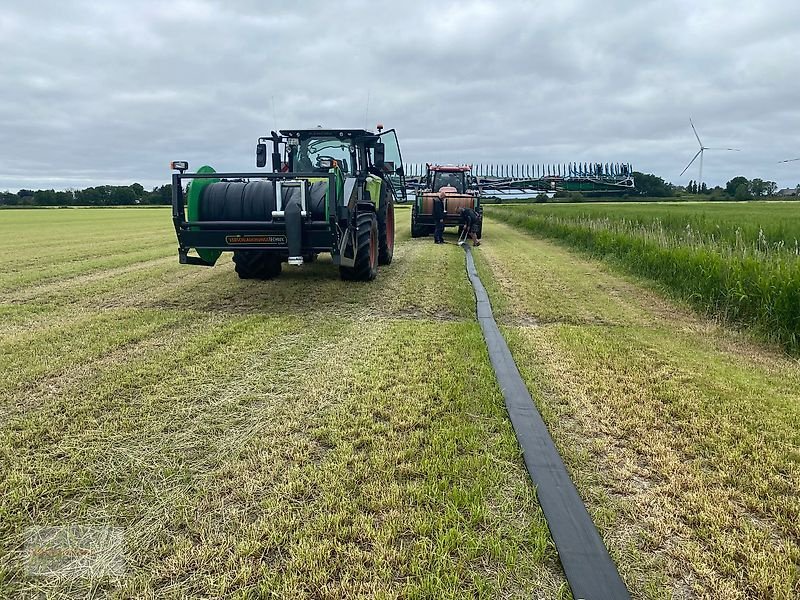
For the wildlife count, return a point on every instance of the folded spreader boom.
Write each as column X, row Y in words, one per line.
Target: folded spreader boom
column 590, row 178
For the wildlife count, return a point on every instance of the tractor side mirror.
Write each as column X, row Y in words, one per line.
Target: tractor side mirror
column 276, row 162
column 261, row 155
column 380, row 155
column 399, row 171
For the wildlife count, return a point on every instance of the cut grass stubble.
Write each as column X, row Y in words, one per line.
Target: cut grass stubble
column 284, row 439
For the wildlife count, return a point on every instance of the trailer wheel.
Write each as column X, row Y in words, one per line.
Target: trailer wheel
column 386, row 229
column 366, row 265
column 253, row 264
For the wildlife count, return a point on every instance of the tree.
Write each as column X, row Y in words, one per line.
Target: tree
column 734, row 184
column 704, row 189
column 742, row 192
column 757, row 188
column 159, row 195
column 648, row 184
column 138, row 190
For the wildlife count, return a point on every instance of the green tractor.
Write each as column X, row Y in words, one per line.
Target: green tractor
column 330, row 190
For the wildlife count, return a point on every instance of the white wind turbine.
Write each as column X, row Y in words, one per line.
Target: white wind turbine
column 788, row 160
column 700, row 154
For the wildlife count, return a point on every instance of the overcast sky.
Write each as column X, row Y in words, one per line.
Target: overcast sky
column 103, row 92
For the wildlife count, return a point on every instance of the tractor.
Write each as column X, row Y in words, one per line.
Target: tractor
column 330, row 190
column 460, row 190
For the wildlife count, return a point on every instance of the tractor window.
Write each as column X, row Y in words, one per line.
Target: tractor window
column 393, row 162
column 448, row 179
column 308, row 155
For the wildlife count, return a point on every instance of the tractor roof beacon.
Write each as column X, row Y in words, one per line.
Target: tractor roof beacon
column 330, row 190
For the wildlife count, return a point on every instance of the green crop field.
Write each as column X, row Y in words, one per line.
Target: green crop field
column 738, row 261
column 312, row 438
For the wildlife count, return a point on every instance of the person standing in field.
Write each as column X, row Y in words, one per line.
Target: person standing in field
column 469, row 224
column 438, row 218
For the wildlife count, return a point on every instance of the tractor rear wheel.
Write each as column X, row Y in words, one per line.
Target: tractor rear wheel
column 253, row 264
column 386, row 229
column 366, row 264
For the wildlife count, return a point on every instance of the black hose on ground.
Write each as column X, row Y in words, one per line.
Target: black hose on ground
column 590, row 572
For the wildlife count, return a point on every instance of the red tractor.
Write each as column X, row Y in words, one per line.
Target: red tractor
column 460, row 189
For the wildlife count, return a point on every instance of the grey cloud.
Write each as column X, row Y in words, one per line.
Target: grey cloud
column 102, row 92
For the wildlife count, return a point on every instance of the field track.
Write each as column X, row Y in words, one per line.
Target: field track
column 307, row 437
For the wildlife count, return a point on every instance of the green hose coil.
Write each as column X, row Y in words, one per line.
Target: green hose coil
column 194, row 193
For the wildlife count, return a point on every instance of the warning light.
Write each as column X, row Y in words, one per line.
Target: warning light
column 179, row 165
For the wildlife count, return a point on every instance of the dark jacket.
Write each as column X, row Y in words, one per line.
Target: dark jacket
column 438, row 209
column 469, row 216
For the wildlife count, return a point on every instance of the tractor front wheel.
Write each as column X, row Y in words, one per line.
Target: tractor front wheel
column 253, row 264
column 366, row 263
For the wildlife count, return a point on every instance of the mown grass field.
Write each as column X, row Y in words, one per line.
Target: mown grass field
column 683, row 436
column 738, row 261
column 307, row 437
column 302, row 437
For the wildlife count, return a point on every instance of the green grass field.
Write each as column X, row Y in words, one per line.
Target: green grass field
column 307, row 437
column 286, row 438
column 737, row 261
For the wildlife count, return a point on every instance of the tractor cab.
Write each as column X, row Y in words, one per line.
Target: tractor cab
column 449, row 179
column 354, row 152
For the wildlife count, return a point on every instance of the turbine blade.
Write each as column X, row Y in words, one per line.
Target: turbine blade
column 788, row 160
column 695, row 132
column 699, row 152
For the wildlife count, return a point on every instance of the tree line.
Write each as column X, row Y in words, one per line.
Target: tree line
column 647, row 184
column 738, row 188
column 101, row 195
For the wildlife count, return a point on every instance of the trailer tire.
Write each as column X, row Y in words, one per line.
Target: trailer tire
column 366, row 262
column 254, row 264
column 386, row 229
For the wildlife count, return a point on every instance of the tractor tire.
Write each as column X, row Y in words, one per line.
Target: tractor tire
column 386, row 229
column 252, row 264
column 417, row 231
column 366, row 265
